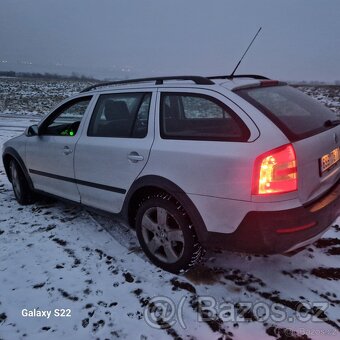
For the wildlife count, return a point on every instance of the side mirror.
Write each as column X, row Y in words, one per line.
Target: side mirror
column 32, row 131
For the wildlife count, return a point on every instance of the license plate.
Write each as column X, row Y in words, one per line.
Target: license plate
column 329, row 160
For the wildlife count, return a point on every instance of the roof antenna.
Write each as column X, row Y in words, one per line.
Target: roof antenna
column 238, row 64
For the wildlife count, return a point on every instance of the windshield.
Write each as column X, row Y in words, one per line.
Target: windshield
column 295, row 113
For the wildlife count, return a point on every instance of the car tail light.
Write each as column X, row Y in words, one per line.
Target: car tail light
column 275, row 172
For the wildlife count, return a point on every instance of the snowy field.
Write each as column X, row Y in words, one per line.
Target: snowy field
column 59, row 258
column 37, row 97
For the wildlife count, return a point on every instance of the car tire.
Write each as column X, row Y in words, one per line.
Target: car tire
column 166, row 235
column 22, row 191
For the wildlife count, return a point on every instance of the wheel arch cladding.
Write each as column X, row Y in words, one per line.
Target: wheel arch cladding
column 151, row 184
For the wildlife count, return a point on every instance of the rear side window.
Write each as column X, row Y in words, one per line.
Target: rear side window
column 199, row 117
column 295, row 113
column 121, row 115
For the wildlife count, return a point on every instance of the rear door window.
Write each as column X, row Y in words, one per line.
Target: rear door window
column 295, row 113
column 121, row 115
column 199, row 117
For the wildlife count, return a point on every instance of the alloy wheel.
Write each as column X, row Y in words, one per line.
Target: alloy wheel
column 162, row 235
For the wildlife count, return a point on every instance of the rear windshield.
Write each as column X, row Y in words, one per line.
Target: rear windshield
column 295, row 113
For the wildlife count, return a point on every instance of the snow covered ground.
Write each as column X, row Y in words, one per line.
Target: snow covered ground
column 56, row 256
column 38, row 96
column 328, row 95
column 35, row 96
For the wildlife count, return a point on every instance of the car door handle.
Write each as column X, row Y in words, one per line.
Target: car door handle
column 67, row 150
column 135, row 157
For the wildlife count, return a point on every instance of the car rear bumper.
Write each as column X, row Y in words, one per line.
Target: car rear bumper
column 275, row 232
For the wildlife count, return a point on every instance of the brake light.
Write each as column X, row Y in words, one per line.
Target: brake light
column 269, row 82
column 275, row 172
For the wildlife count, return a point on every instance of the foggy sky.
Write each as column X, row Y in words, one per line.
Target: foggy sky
column 300, row 39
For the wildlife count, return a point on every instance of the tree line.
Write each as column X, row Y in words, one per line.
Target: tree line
column 49, row 76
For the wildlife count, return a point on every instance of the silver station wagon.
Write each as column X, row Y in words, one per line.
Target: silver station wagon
column 242, row 163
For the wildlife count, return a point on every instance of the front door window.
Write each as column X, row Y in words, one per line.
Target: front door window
column 67, row 118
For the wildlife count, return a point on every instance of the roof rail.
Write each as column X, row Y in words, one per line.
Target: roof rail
column 254, row 76
column 158, row 81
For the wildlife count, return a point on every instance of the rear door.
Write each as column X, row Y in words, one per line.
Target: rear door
column 311, row 127
column 114, row 147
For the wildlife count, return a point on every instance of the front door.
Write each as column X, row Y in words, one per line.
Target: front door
column 49, row 156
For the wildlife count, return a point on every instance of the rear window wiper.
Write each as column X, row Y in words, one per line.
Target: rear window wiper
column 334, row 122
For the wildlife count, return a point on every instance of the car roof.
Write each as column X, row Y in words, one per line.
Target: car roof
column 232, row 84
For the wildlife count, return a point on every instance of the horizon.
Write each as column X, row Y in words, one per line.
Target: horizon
column 79, row 76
